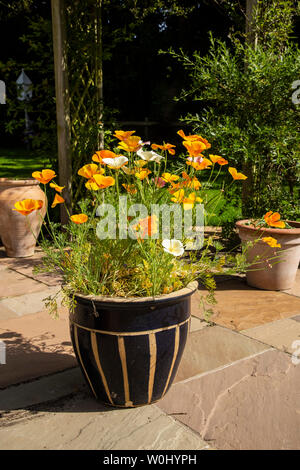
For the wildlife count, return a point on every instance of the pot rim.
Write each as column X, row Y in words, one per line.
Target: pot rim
column 282, row 231
column 23, row 182
column 179, row 294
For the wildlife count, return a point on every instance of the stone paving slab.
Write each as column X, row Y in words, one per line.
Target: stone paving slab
column 81, row 423
column 42, row 390
column 282, row 334
column 36, row 345
column 25, row 266
column 213, row 347
column 251, row 404
column 15, row 284
column 27, row 304
column 295, row 290
column 241, row 307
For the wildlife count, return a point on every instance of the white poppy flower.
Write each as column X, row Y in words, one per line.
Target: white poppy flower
column 174, row 247
column 149, row 156
column 115, row 163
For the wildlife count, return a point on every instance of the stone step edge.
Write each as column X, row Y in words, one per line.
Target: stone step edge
column 66, row 383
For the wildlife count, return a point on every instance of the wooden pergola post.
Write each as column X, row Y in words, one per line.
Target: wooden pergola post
column 62, row 104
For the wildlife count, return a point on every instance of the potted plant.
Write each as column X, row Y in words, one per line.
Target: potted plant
column 275, row 254
column 128, row 280
column 19, row 234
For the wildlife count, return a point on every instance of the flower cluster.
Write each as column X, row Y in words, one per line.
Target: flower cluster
column 139, row 260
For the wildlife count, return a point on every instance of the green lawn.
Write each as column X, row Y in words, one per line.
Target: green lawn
column 19, row 163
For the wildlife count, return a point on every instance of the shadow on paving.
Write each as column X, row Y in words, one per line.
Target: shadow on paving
column 34, row 357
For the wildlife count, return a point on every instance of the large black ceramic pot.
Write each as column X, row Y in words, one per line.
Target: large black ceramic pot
column 129, row 349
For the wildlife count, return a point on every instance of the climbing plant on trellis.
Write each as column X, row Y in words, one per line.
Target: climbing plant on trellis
column 85, row 82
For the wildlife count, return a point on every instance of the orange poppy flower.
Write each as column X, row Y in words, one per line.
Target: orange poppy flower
column 195, row 148
column 56, row 187
column 79, row 218
column 88, row 171
column 26, row 206
column 217, row 159
column 191, row 182
column 130, row 188
column 272, row 242
column 235, row 175
column 99, row 182
column 123, row 135
column 194, row 138
column 44, row 176
column 131, row 144
column 146, row 227
column 168, row 147
column 143, row 173
column 273, row 219
column 175, row 187
column 57, row 200
column 205, row 163
column 100, row 154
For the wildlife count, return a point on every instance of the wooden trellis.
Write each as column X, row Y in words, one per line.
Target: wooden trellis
column 77, row 38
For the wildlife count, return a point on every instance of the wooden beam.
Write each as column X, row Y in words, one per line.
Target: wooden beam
column 62, row 104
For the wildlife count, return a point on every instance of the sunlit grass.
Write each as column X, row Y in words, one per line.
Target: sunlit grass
column 19, row 164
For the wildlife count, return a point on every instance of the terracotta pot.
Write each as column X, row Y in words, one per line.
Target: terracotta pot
column 129, row 349
column 16, row 236
column 276, row 274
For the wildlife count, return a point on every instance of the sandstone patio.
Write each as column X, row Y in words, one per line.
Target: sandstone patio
column 237, row 386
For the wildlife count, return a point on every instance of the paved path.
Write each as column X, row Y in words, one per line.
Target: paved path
column 237, row 386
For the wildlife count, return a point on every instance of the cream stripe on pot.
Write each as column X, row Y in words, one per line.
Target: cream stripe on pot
column 97, row 359
column 122, row 353
column 176, row 345
column 152, row 364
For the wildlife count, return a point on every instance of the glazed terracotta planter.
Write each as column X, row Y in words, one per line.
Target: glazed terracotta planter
column 129, row 349
column 276, row 274
column 16, row 236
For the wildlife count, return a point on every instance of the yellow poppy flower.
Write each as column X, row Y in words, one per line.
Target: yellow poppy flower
column 188, row 202
column 142, row 173
column 178, row 196
column 168, row 177
column 272, row 242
